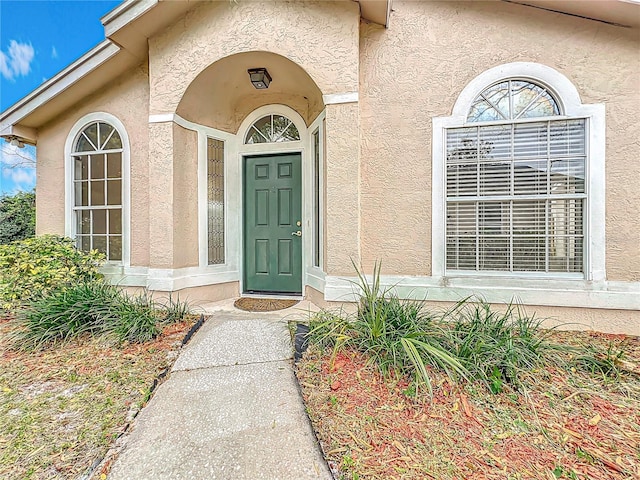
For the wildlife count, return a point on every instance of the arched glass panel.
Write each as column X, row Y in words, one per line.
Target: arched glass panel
column 513, row 100
column 97, row 182
column 272, row 129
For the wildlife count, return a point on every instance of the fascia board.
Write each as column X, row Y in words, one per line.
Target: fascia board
column 57, row 84
column 124, row 14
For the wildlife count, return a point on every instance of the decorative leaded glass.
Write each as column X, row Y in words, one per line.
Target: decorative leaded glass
column 272, row 129
column 215, row 201
column 513, row 100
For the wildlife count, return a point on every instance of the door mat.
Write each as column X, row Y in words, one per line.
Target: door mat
column 263, row 304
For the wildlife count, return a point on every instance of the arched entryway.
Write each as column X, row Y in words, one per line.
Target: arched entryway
column 260, row 173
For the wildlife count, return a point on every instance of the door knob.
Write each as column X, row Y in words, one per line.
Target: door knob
column 297, row 234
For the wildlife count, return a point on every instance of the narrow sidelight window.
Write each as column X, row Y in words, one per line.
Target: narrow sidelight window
column 316, row 198
column 215, row 201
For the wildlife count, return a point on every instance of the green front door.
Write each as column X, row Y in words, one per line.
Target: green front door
column 272, row 224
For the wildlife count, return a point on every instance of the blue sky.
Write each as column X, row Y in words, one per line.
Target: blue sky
column 37, row 40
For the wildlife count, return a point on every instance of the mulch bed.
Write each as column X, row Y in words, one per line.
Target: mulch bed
column 568, row 424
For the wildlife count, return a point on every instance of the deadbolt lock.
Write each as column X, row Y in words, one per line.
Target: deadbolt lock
column 299, row 223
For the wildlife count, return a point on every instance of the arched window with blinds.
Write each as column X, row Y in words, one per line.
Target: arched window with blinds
column 515, row 184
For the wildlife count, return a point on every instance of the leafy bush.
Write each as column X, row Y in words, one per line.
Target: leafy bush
column 17, row 217
column 95, row 308
column 33, row 267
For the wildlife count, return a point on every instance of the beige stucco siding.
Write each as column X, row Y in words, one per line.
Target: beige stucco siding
column 321, row 37
column 416, row 69
column 185, row 199
column 126, row 99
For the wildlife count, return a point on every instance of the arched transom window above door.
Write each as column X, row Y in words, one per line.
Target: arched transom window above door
column 272, row 128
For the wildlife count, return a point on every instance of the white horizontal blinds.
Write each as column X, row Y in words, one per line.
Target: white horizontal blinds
column 215, row 201
column 272, row 129
column 97, row 177
column 516, row 197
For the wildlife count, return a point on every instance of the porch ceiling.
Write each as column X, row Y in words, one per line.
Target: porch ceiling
column 222, row 95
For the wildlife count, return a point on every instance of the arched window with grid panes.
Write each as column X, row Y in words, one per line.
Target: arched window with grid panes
column 515, row 184
column 97, row 162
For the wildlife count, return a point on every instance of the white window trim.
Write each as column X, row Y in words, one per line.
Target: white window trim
column 315, row 275
column 70, row 224
column 571, row 106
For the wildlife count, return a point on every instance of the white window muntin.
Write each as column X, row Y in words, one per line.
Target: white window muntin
column 70, row 199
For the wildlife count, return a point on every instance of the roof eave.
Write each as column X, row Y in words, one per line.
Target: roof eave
column 50, row 89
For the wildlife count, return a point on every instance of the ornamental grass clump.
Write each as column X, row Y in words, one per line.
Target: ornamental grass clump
column 398, row 336
column 470, row 342
column 92, row 308
column 498, row 347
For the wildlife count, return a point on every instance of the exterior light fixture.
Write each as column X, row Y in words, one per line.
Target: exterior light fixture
column 259, row 77
column 14, row 142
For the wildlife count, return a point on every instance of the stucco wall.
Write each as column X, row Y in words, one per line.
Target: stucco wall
column 321, row 37
column 416, row 69
column 126, row 99
column 185, row 199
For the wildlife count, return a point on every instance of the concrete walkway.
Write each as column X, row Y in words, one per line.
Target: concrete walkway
column 230, row 409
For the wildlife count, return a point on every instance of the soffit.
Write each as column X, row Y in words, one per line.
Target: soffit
column 618, row 12
column 83, row 77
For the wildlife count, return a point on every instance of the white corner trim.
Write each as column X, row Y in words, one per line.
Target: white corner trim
column 161, row 118
column 552, row 293
column 60, row 82
column 336, row 98
column 196, row 127
column 562, row 88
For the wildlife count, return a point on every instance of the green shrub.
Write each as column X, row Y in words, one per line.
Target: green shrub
column 17, row 217
column 94, row 308
column 469, row 342
column 497, row 347
column 33, row 267
column 398, row 336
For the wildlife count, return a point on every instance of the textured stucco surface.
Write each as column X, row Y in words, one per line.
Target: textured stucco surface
column 416, row 69
column 321, row 37
column 126, row 99
column 185, row 198
column 342, row 201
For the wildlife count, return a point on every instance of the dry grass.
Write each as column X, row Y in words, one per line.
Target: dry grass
column 61, row 408
column 567, row 424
